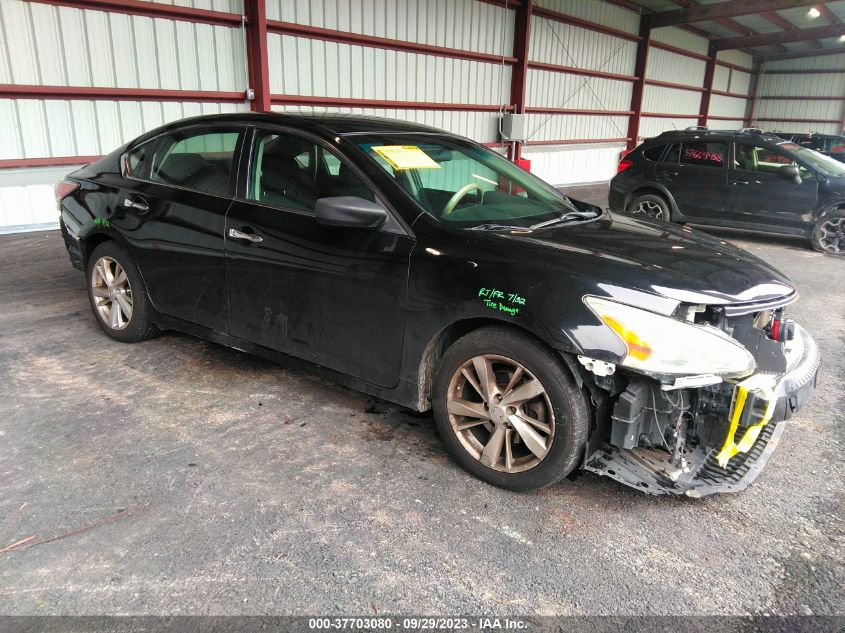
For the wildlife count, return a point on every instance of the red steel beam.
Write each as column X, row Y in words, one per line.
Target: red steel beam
column 343, row 102
column 20, row 91
column 638, row 88
column 725, row 93
column 585, row 72
column 709, row 72
column 258, row 65
column 57, row 161
column 152, row 10
column 674, row 86
column 724, row 9
column 742, row 69
column 540, row 110
column 780, row 120
column 799, row 98
column 716, row 117
column 519, row 73
column 678, row 51
column 578, row 141
column 827, row 13
column 668, row 115
column 557, row 16
column 345, row 37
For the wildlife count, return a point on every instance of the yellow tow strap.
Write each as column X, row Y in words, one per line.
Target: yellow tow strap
column 731, row 448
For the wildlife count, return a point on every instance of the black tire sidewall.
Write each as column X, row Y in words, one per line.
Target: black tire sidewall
column 653, row 197
column 568, row 402
column 139, row 326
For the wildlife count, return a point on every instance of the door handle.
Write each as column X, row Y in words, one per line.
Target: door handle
column 740, row 182
column 140, row 207
column 668, row 173
column 250, row 237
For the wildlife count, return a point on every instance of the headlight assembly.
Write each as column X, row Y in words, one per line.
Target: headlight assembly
column 663, row 345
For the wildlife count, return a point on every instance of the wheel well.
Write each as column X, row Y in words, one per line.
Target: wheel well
column 90, row 243
column 651, row 190
column 443, row 340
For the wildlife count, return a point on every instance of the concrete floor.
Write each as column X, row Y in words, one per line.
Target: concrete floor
column 177, row 476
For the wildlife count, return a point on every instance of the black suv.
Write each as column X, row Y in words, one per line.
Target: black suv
column 742, row 179
column 827, row 144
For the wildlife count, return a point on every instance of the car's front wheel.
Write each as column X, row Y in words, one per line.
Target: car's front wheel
column 829, row 234
column 117, row 295
column 650, row 205
column 508, row 410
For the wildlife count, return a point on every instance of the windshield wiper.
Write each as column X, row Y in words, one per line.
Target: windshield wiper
column 492, row 227
column 566, row 217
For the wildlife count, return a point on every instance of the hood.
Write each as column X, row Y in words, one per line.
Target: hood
column 678, row 263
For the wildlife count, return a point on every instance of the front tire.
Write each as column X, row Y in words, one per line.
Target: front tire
column 508, row 411
column 829, row 234
column 650, row 205
column 117, row 295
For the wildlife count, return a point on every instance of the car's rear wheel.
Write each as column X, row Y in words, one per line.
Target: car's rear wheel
column 829, row 235
column 650, row 205
column 508, row 411
column 117, row 295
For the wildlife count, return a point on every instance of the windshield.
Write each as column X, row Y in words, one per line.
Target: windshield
column 460, row 183
column 817, row 161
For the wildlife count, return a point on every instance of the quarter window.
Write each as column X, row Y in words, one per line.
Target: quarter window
column 706, row 154
column 654, row 153
column 292, row 172
column 199, row 160
column 137, row 162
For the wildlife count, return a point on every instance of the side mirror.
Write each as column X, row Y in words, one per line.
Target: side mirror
column 350, row 211
column 790, row 172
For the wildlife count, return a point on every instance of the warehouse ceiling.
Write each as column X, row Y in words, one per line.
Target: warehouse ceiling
column 771, row 28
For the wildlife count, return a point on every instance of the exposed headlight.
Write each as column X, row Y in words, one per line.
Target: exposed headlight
column 663, row 345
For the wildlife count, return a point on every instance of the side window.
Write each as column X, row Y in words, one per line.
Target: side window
column 197, row 159
column 292, row 172
column 750, row 157
column 137, row 162
column 703, row 154
column 673, row 155
column 654, row 153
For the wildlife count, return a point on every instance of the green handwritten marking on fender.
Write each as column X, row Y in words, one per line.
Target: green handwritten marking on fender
column 101, row 222
column 499, row 299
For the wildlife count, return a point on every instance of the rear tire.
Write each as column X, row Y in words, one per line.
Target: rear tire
column 829, row 234
column 650, row 205
column 117, row 295
column 529, row 430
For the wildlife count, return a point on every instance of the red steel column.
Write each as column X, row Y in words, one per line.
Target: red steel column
column 256, row 54
column 519, row 72
column 752, row 105
column 639, row 84
column 709, row 71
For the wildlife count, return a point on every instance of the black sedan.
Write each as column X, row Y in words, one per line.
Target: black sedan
column 415, row 265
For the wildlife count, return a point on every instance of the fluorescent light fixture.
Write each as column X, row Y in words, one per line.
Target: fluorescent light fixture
column 814, row 12
column 842, row 38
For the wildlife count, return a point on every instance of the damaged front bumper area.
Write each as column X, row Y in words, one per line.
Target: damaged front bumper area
column 698, row 442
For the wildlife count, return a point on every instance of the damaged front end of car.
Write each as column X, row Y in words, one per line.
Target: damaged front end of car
column 698, row 403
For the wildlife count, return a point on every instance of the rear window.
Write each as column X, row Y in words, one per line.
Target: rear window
column 703, row 154
column 654, row 153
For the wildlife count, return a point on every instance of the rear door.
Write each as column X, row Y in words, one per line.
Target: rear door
column 695, row 173
column 174, row 214
column 759, row 195
column 334, row 296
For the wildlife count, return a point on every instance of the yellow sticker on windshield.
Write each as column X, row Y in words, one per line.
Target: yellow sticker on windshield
column 405, row 157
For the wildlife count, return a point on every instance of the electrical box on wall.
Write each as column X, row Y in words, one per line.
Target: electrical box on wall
column 513, row 127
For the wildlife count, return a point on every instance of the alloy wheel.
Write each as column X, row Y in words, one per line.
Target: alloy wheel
column 500, row 413
column 831, row 236
column 112, row 293
column 649, row 209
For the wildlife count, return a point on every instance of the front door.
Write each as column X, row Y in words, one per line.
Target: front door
column 173, row 216
column 759, row 195
column 331, row 295
column 695, row 174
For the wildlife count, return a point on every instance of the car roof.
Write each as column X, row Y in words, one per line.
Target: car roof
column 323, row 124
column 704, row 133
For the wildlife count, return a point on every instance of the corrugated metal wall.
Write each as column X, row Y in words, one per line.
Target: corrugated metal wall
column 802, row 115
column 47, row 45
